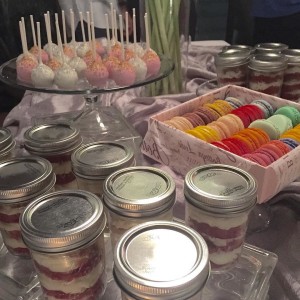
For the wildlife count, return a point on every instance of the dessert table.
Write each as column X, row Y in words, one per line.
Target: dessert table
column 282, row 236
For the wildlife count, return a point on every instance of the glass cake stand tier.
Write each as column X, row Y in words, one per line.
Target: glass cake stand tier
column 94, row 121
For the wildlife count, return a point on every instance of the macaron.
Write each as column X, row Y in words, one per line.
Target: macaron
column 234, row 101
column 243, row 116
column 229, row 123
column 260, row 159
column 291, row 142
column 290, row 112
column 271, row 129
column 266, row 107
column 225, row 105
column 282, row 122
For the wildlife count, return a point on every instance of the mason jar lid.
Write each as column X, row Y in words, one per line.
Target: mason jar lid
column 51, row 139
column 232, row 57
column 23, row 178
column 292, row 55
column 268, row 62
column 239, row 47
column 6, row 141
column 100, row 159
column 139, row 191
column 173, row 262
column 220, row 189
column 270, row 47
column 62, row 221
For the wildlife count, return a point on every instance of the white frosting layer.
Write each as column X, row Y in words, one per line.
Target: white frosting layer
column 259, row 86
column 224, row 258
column 224, row 223
column 78, row 285
column 11, row 210
column 13, row 243
column 10, row 226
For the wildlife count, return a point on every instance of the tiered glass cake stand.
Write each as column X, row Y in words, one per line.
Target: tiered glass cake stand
column 96, row 121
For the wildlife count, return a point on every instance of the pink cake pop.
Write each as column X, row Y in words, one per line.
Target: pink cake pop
column 124, row 73
column 96, row 72
column 53, row 62
column 26, row 62
column 42, row 75
column 35, row 49
column 99, row 47
column 150, row 57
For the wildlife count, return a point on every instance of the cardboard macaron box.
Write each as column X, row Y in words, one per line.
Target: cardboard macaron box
column 274, row 164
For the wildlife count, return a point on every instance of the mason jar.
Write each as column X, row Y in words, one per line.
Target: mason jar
column 22, row 180
column 232, row 67
column 135, row 195
column 270, row 48
column 55, row 142
column 291, row 81
column 92, row 163
column 239, row 47
column 7, row 144
column 64, row 232
column 161, row 260
column 219, row 199
column 266, row 73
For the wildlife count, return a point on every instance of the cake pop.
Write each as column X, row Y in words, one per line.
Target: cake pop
column 96, row 73
column 42, row 75
column 50, row 46
column 35, row 49
column 69, row 50
column 135, row 47
column 150, row 57
column 26, row 62
column 84, row 47
column 65, row 77
column 53, row 62
column 124, row 73
column 98, row 45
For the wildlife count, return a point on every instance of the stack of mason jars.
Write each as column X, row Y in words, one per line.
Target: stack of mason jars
column 270, row 68
column 65, row 231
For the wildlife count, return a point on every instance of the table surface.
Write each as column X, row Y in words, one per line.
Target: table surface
column 282, row 236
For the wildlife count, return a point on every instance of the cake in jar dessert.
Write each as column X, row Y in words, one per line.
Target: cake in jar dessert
column 7, row 144
column 266, row 73
column 22, row 180
column 219, row 199
column 68, row 254
column 56, row 143
column 291, row 81
column 232, row 67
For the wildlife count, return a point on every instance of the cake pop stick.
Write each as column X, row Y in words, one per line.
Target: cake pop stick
column 147, row 32
column 22, row 38
column 84, row 47
column 72, row 27
column 126, row 28
column 122, row 38
column 38, row 25
column 107, row 34
column 112, row 22
column 33, row 30
column 82, row 27
column 63, row 17
column 48, row 36
column 89, row 28
column 134, row 26
column 93, row 40
column 115, row 25
column 24, row 32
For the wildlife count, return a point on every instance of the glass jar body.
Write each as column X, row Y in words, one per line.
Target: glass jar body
column 10, row 228
column 224, row 234
column 291, row 83
column 236, row 74
column 74, row 274
column 94, row 185
column 118, row 224
column 268, row 82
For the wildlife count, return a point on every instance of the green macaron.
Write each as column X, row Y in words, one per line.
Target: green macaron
column 290, row 112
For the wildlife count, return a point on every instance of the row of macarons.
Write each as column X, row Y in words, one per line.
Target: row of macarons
column 219, row 110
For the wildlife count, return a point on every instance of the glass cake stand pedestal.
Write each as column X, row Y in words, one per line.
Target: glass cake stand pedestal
column 95, row 122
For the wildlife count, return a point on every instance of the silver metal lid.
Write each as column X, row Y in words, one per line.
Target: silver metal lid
column 232, row 57
column 239, row 47
column 293, row 55
column 100, row 159
column 51, row 139
column 220, row 189
column 139, row 191
column 62, row 221
column 270, row 47
column 161, row 260
column 23, row 178
column 6, row 141
column 268, row 62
